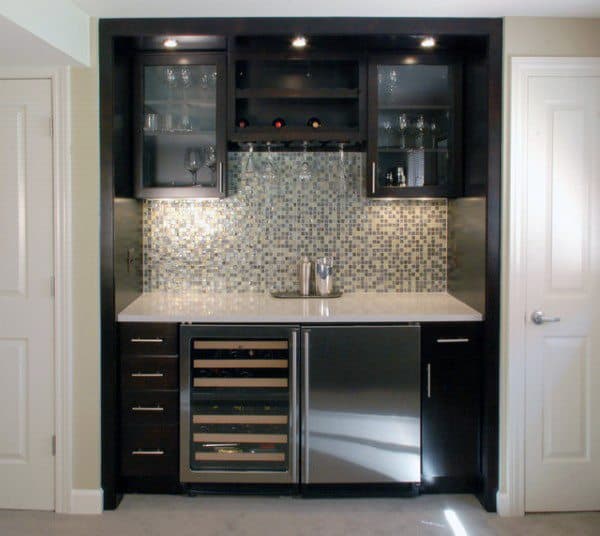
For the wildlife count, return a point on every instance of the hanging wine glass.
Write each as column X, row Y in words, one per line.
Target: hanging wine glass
column 269, row 168
column 249, row 166
column 193, row 161
column 305, row 173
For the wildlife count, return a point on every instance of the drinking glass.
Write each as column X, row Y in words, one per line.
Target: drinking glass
column 210, row 156
column 185, row 75
column 151, row 122
column 387, row 129
column 171, row 76
column 193, row 161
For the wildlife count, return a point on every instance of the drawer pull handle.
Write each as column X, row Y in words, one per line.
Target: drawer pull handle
column 452, row 341
column 143, row 452
column 147, row 375
column 147, row 408
column 156, row 340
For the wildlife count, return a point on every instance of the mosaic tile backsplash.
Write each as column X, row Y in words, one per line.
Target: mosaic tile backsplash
column 279, row 210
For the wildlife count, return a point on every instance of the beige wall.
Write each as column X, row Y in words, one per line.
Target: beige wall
column 530, row 36
column 86, row 271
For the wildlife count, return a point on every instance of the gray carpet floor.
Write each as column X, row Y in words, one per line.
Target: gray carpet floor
column 153, row 515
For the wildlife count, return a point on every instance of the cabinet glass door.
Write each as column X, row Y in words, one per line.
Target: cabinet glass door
column 412, row 138
column 182, row 148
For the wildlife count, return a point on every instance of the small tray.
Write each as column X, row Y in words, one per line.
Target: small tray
column 297, row 295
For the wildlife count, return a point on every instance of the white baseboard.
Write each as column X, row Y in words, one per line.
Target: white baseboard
column 86, row 501
column 505, row 507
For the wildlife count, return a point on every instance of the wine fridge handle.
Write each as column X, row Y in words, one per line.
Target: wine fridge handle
column 294, row 437
column 220, row 179
column 305, row 406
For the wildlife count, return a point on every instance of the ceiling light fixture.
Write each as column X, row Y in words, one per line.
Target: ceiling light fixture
column 299, row 41
column 170, row 43
column 428, row 42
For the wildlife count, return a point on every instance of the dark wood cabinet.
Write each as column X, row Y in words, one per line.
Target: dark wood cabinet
column 451, row 406
column 180, row 125
column 296, row 87
column 149, row 400
column 414, row 126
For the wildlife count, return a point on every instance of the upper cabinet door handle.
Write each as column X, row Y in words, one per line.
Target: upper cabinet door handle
column 156, row 340
column 451, row 341
column 220, row 179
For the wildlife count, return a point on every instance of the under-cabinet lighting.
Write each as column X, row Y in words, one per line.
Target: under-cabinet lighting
column 170, row 43
column 299, row 41
column 428, row 42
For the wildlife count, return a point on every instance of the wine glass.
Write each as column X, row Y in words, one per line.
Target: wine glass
column 269, row 168
column 402, row 126
column 420, row 126
column 210, row 156
column 193, row 161
column 387, row 129
column 249, row 166
column 171, row 76
column 305, row 173
column 433, row 129
column 185, row 75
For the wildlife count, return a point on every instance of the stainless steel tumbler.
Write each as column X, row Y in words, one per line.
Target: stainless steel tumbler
column 324, row 276
column 304, row 269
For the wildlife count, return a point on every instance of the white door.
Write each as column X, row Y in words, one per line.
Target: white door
column 562, row 438
column 26, row 309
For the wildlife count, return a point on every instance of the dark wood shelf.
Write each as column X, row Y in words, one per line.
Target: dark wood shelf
column 284, row 93
column 414, row 107
column 295, row 134
column 409, row 150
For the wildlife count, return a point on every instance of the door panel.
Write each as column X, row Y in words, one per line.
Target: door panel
column 26, row 310
column 361, row 405
column 563, row 280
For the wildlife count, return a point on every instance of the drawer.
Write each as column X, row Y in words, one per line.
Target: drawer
column 150, row 451
column 150, row 407
column 147, row 338
column 149, row 373
column 456, row 338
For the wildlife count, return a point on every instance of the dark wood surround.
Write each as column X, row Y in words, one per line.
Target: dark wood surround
column 120, row 39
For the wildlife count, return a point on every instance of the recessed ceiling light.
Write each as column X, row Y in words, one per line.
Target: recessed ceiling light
column 170, row 43
column 428, row 42
column 299, row 41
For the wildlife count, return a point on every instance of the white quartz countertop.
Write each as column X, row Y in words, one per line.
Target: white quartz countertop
column 262, row 308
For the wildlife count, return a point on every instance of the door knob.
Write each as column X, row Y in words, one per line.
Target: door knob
column 537, row 317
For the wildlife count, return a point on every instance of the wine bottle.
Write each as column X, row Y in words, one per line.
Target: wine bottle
column 314, row 122
column 278, row 122
column 243, row 123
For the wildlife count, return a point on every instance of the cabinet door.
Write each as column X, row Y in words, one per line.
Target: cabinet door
column 414, row 130
column 360, row 405
column 180, row 125
column 450, row 420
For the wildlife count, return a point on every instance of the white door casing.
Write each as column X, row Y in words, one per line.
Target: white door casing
column 551, row 406
column 26, row 304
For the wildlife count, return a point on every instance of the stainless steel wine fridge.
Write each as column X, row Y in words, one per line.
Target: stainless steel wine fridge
column 239, row 404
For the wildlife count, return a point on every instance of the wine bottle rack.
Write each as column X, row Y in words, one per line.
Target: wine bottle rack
column 240, row 407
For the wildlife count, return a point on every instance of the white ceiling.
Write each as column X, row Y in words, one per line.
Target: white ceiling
column 340, row 8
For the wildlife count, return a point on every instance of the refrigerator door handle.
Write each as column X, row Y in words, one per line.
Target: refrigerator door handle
column 305, row 405
column 294, row 408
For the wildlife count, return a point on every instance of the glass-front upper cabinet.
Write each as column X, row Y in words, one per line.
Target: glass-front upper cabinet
column 181, row 146
column 414, row 127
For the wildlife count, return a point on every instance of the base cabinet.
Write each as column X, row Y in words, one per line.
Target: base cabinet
column 450, row 407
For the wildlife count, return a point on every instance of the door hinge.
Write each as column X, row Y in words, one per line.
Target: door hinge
column 53, row 445
column 52, row 286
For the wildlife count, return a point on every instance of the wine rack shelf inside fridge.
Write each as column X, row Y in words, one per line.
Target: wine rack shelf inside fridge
column 240, row 406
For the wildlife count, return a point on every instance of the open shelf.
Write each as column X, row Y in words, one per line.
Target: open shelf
column 287, row 93
column 250, row 134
